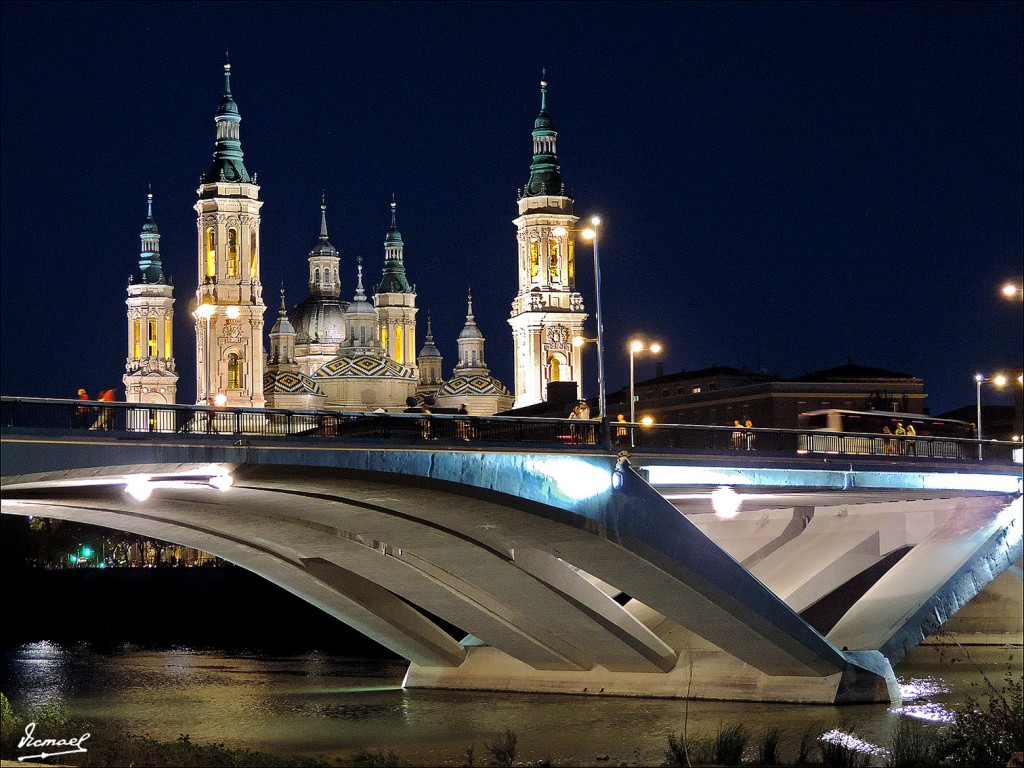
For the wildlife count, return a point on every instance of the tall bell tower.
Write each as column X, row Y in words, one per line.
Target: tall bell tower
column 395, row 300
column 547, row 312
column 149, row 372
column 229, row 316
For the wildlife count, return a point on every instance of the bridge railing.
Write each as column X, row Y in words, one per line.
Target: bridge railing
column 136, row 418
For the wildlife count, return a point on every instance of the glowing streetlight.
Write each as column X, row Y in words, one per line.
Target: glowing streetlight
column 1011, row 290
column 1000, row 381
column 636, row 346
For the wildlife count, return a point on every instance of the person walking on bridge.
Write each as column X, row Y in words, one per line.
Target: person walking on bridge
column 900, row 433
column 82, row 412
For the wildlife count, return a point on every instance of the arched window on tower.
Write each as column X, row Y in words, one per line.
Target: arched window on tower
column 571, row 264
column 136, row 339
column 254, row 263
column 553, row 257
column 211, row 252
column 151, row 341
column 167, row 337
column 233, row 252
column 399, row 345
column 384, row 337
column 554, row 370
column 316, row 277
column 234, row 371
column 534, row 258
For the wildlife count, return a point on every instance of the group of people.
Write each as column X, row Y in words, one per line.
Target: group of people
column 581, row 433
column 742, row 437
column 94, row 417
column 904, row 446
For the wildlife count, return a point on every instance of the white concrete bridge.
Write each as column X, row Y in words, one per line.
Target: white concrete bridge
column 568, row 568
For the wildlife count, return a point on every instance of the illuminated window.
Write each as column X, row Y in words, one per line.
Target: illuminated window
column 383, row 336
column 534, row 258
column 253, row 257
column 211, row 252
column 399, row 351
column 234, row 371
column 151, row 340
column 136, row 340
column 571, row 262
column 553, row 258
column 556, row 370
column 233, row 252
column 167, row 337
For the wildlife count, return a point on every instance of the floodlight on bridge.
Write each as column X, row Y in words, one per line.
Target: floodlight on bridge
column 139, row 487
column 726, row 501
column 222, row 482
column 574, row 479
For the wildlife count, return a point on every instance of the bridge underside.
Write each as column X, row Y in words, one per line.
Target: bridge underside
column 623, row 595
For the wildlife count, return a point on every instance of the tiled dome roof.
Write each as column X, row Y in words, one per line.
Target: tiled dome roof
column 363, row 366
column 458, row 386
column 290, row 383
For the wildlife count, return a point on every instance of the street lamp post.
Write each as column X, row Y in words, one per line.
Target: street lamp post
column 1000, row 381
column 634, row 347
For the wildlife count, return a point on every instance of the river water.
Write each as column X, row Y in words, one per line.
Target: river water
column 332, row 706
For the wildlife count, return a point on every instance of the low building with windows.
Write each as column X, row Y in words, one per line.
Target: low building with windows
column 720, row 395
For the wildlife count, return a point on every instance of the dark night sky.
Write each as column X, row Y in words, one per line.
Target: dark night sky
column 784, row 186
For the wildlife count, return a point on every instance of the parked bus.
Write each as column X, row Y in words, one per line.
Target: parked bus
column 874, row 433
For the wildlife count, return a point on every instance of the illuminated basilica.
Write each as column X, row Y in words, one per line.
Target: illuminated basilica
column 343, row 353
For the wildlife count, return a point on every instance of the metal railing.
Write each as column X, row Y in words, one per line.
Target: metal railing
column 19, row 413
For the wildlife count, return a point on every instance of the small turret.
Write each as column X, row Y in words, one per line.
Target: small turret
column 360, row 316
column 430, row 361
column 282, row 339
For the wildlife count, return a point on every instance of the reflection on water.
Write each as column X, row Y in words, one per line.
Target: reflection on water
column 332, row 706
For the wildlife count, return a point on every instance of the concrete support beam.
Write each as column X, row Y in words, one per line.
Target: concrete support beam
column 937, row 577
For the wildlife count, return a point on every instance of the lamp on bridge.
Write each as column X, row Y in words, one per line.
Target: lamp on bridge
column 590, row 233
column 636, row 347
column 998, row 380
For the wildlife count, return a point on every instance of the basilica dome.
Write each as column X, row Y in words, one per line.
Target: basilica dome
column 319, row 320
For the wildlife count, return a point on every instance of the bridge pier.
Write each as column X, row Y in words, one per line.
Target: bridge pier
column 707, row 673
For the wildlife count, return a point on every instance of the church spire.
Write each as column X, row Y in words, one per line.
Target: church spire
column 394, row 280
column 227, row 155
column 324, row 261
column 545, row 178
column 282, row 338
column 471, row 345
column 150, row 267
